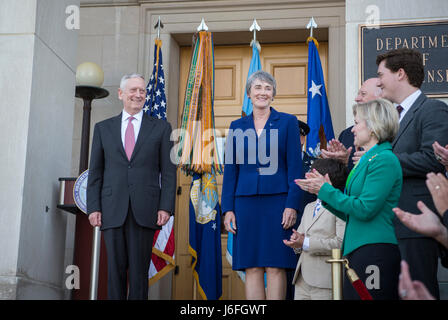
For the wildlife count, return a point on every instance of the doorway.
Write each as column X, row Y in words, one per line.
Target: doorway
column 288, row 64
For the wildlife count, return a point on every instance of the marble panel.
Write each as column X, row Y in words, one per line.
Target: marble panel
column 18, row 17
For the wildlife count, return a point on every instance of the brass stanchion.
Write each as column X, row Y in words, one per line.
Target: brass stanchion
column 336, row 273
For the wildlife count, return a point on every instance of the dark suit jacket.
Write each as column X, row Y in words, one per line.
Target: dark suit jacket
column 307, row 197
column 425, row 122
column 114, row 181
column 246, row 173
column 348, row 140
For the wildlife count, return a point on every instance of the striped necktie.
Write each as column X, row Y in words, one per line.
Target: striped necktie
column 129, row 138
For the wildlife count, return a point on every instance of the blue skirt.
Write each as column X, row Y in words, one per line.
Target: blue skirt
column 259, row 236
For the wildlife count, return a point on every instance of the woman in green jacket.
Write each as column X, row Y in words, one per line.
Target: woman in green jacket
column 373, row 188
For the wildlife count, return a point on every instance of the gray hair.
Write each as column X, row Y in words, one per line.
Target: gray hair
column 262, row 76
column 381, row 117
column 126, row 77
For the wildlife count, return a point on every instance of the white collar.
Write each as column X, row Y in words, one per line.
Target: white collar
column 409, row 101
column 125, row 116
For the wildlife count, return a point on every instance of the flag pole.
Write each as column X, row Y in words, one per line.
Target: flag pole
column 202, row 26
column 95, row 262
column 158, row 26
column 255, row 27
column 318, row 111
column 311, row 25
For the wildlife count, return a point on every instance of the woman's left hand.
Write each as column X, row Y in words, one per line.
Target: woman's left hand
column 313, row 182
column 289, row 218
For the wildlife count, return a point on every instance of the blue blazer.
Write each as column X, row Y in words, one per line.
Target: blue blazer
column 262, row 165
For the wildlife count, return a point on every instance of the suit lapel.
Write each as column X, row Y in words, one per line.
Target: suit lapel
column 248, row 122
column 271, row 123
column 369, row 155
column 116, row 134
column 145, row 129
column 273, row 118
column 313, row 220
column 409, row 116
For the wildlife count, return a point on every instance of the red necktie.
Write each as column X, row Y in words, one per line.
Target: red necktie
column 399, row 109
column 129, row 138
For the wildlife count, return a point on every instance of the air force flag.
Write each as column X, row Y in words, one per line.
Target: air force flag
column 318, row 110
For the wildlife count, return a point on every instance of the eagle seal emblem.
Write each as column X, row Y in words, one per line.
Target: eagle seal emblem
column 204, row 197
column 80, row 191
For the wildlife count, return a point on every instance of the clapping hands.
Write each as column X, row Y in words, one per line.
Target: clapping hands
column 313, row 182
column 336, row 150
column 296, row 240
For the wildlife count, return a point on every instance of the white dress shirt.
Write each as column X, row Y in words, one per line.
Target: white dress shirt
column 306, row 240
column 408, row 102
column 136, row 122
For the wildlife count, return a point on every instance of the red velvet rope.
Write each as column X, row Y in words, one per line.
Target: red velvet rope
column 361, row 290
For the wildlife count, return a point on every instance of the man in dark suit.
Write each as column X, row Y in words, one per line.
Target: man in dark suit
column 131, row 188
column 422, row 121
column 346, row 151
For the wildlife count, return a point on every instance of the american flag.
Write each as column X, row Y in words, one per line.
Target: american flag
column 155, row 104
column 162, row 259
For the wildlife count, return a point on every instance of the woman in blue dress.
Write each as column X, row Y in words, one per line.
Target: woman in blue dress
column 259, row 197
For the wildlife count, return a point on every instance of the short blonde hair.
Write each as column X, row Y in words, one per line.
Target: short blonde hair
column 381, row 117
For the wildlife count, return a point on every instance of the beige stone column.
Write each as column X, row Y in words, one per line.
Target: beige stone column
column 37, row 86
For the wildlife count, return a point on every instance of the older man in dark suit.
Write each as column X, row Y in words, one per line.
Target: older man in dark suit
column 131, row 188
column 422, row 121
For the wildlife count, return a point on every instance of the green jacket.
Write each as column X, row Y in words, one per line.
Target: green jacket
column 373, row 190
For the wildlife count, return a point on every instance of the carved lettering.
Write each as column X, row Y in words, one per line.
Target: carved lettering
column 414, row 44
column 423, row 41
column 388, row 43
column 425, row 58
column 379, row 44
column 432, row 42
column 444, row 40
column 439, row 76
column 430, row 76
column 405, row 43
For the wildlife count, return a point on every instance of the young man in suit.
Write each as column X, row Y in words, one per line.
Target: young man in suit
column 422, row 121
column 131, row 188
column 307, row 162
column 319, row 232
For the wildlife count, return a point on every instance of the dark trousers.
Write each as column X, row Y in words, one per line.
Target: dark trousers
column 422, row 255
column 129, row 249
column 378, row 267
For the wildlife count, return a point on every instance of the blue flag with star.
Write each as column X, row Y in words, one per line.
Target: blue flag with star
column 318, row 114
column 155, row 104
